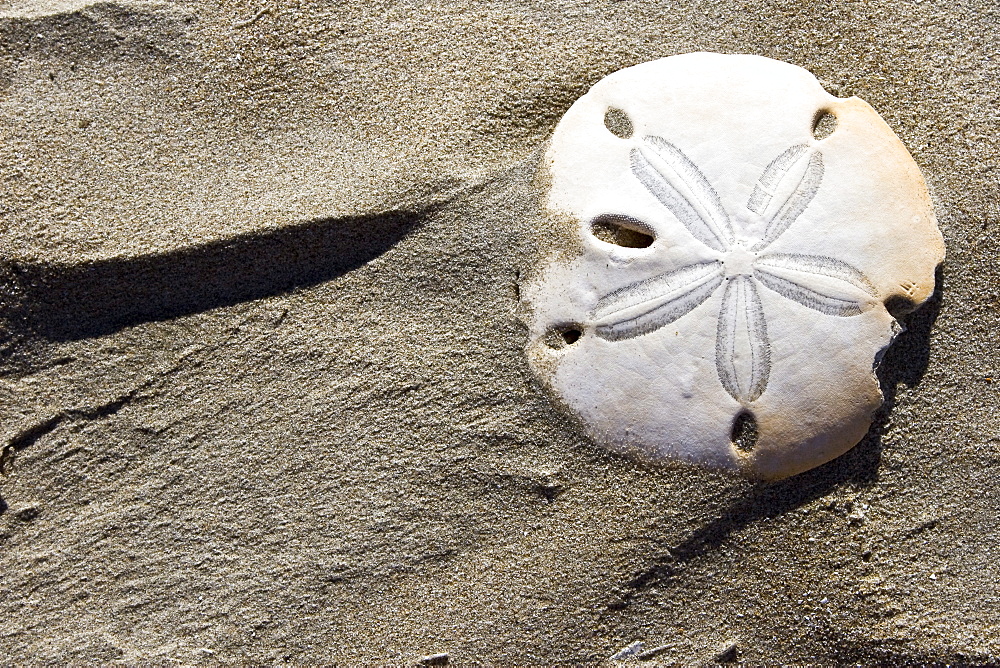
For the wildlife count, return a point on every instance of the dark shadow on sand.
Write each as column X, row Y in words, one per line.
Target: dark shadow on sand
column 42, row 303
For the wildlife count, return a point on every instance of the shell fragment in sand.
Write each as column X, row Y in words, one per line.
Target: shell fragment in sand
column 733, row 314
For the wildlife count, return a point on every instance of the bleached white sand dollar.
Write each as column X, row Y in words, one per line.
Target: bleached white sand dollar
column 725, row 301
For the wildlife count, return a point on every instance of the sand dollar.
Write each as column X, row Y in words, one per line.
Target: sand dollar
column 736, row 234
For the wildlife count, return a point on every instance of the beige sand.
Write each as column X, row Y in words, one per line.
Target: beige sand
column 264, row 395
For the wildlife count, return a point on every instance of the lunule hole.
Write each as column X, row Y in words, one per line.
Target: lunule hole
column 744, row 434
column 899, row 306
column 571, row 336
column 617, row 122
column 622, row 231
column 824, row 123
column 562, row 336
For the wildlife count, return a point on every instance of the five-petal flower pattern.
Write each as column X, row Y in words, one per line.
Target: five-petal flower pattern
column 742, row 262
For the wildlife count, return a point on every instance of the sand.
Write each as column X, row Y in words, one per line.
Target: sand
column 264, row 395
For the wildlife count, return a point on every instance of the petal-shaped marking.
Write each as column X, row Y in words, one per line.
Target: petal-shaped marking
column 645, row 306
column 785, row 189
column 742, row 349
column 766, row 186
column 821, row 283
column 681, row 187
column 819, row 265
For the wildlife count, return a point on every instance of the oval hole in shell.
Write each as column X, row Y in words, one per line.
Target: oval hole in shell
column 744, row 434
column 622, row 231
column 618, row 123
column 824, row 124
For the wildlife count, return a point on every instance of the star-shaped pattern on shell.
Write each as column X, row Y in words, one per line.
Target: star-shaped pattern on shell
column 725, row 240
column 743, row 265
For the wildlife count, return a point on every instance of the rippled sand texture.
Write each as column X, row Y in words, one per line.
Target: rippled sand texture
column 264, row 393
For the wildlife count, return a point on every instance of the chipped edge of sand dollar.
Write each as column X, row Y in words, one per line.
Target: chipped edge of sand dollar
column 737, row 232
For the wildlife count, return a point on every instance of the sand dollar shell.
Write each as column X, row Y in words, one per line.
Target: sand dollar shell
column 755, row 302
